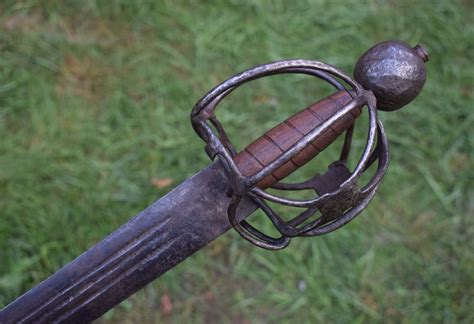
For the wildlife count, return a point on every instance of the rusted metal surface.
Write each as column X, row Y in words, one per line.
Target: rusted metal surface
column 390, row 73
column 154, row 241
column 247, row 186
column 393, row 71
column 206, row 205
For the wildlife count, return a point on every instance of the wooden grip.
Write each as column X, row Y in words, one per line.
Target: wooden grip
column 276, row 141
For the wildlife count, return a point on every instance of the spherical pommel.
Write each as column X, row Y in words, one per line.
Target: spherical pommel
column 393, row 71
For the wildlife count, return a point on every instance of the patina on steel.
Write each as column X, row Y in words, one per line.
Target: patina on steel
column 391, row 74
column 224, row 194
column 394, row 72
column 152, row 242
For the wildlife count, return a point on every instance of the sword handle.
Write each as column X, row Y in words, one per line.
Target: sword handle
column 279, row 139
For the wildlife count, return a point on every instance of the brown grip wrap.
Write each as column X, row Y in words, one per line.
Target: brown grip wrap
column 276, row 141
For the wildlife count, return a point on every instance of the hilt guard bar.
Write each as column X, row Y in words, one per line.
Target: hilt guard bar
column 340, row 199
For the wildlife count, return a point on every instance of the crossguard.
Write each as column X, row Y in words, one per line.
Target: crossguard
column 347, row 198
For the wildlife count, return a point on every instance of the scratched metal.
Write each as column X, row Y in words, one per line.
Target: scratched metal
column 388, row 76
column 199, row 210
column 393, row 71
column 154, row 241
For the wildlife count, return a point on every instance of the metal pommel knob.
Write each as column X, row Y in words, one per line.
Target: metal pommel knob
column 393, row 71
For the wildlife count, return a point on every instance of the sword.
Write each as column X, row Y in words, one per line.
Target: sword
column 386, row 77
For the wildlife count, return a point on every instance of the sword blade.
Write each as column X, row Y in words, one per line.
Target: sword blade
column 152, row 242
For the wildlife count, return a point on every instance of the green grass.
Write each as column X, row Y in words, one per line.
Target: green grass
column 95, row 99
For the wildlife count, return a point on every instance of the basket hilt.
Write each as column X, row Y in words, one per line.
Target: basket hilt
column 387, row 77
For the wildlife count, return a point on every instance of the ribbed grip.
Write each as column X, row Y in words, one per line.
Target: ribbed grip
column 276, row 141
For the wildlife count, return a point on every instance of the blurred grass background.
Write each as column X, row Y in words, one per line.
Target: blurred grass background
column 95, row 99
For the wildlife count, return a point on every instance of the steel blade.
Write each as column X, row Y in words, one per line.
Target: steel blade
column 152, row 242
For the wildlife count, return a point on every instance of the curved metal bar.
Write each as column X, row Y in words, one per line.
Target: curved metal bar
column 291, row 202
column 370, row 140
column 208, row 111
column 201, row 112
column 266, row 70
column 304, row 185
column 221, row 146
column 223, row 135
column 353, row 178
column 316, row 73
column 343, row 220
column 250, row 233
column 302, row 217
column 316, row 228
column 305, row 141
column 319, row 74
column 383, row 163
column 346, row 147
